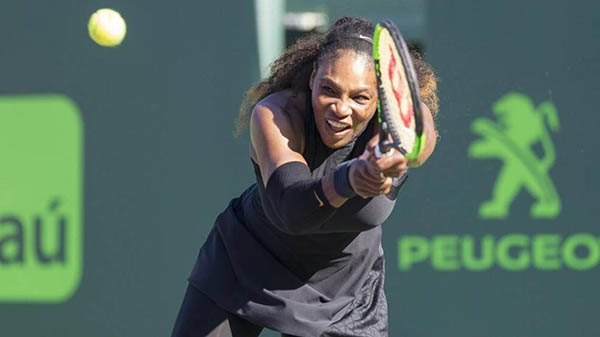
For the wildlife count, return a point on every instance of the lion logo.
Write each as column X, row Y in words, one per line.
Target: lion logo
column 520, row 125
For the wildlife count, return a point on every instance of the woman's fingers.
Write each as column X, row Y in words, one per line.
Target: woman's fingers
column 365, row 184
column 373, row 143
column 371, row 176
column 367, row 173
column 386, row 186
column 391, row 166
column 395, row 171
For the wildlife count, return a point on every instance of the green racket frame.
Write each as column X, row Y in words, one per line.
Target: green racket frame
column 383, row 112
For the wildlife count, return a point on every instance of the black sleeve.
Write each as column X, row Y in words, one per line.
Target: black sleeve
column 295, row 201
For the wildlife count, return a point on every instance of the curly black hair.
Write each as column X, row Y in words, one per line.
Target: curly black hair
column 293, row 68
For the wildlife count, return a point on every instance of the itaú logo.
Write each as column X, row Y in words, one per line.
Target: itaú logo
column 41, row 231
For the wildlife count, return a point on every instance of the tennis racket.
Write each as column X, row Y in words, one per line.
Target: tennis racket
column 398, row 107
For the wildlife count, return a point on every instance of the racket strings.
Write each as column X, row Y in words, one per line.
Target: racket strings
column 395, row 92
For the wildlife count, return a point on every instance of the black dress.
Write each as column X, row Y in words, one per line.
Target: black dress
column 328, row 283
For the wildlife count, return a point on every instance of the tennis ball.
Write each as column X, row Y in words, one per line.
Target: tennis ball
column 107, row 28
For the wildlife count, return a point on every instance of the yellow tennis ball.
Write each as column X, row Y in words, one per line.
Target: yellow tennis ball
column 107, row 28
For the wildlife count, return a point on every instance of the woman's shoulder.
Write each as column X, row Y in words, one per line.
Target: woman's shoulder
column 286, row 109
column 287, row 102
column 278, row 119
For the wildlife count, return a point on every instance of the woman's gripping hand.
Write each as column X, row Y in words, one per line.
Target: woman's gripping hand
column 371, row 176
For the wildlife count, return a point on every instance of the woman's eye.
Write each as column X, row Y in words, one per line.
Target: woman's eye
column 328, row 90
column 361, row 99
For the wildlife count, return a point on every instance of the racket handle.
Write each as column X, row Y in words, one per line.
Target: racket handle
column 384, row 146
column 383, row 149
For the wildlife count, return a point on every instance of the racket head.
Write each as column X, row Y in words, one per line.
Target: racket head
column 398, row 89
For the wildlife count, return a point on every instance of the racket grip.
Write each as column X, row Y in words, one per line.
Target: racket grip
column 383, row 149
column 384, row 146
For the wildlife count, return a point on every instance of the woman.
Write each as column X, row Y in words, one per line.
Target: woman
column 300, row 251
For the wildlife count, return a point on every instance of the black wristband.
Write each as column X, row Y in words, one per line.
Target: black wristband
column 341, row 180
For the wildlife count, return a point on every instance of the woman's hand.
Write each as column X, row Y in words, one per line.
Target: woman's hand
column 371, row 176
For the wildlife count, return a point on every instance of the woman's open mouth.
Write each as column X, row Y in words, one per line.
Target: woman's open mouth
column 337, row 127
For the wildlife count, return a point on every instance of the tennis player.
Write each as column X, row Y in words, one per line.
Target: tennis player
column 300, row 251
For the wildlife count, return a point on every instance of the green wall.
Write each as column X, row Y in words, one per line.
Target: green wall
column 548, row 51
column 159, row 161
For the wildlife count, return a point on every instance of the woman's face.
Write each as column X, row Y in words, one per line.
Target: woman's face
column 344, row 96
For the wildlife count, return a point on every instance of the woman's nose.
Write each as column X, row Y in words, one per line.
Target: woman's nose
column 342, row 109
